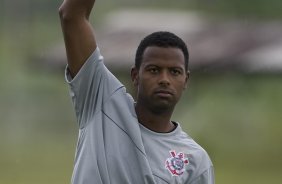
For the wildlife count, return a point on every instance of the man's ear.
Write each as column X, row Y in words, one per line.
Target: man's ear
column 134, row 76
column 187, row 79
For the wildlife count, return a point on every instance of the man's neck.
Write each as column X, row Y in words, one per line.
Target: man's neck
column 157, row 122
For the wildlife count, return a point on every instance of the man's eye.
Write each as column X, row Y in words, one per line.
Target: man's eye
column 153, row 70
column 175, row 72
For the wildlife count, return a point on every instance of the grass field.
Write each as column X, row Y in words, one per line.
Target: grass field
column 236, row 117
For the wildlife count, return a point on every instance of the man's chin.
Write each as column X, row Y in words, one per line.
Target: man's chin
column 163, row 107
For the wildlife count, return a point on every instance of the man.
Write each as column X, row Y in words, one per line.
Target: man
column 122, row 141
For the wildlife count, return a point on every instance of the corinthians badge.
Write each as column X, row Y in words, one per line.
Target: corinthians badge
column 176, row 163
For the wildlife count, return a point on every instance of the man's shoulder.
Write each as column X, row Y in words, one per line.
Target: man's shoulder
column 195, row 150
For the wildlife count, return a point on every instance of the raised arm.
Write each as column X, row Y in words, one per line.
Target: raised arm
column 78, row 34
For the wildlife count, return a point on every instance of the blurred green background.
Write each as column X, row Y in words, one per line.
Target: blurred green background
column 235, row 116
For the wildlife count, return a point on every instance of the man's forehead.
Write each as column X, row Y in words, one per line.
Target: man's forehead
column 163, row 55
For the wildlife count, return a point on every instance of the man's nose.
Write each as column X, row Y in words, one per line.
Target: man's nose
column 164, row 78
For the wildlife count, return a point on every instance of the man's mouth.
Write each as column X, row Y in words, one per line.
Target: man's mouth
column 163, row 93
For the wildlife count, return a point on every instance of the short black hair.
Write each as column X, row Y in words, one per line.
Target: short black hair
column 161, row 39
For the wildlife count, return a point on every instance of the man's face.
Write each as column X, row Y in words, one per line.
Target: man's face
column 161, row 78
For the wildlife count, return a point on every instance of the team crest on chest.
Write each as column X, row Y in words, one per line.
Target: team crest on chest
column 176, row 163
